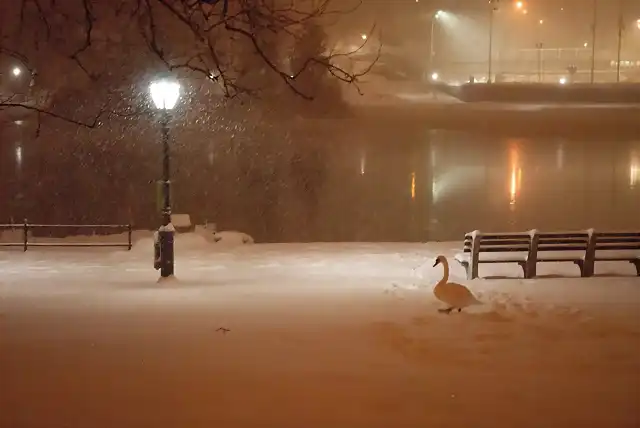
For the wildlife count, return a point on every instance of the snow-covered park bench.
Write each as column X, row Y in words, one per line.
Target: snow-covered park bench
column 527, row 249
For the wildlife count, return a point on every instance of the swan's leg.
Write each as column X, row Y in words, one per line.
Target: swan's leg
column 447, row 310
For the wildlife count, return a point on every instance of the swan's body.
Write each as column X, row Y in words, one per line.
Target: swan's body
column 456, row 296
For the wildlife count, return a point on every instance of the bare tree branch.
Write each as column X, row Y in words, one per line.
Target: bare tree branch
column 119, row 43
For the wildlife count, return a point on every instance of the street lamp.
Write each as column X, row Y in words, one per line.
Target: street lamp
column 165, row 94
column 436, row 16
column 16, row 71
column 493, row 4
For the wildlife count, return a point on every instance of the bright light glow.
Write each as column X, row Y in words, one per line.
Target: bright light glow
column 634, row 170
column 519, row 5
column 515, row 176
column 563, row 80
column 439, row 14
column 525, row 11
column 165, row 94
column 435, row 76
column 541, row 21
column 413, row 185
column 586, row 44
column 634, row 174
column 638, row 24
column 560, row 157
column 19, row 155
column 364, row 37
column 16, row 71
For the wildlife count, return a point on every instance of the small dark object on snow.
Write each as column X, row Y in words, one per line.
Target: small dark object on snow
column 223, row 330
column 448, row 310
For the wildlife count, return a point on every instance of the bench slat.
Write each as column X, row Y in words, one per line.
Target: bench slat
column 504, row 242
column 563, row 241
column 501, row 249
column 545, row 247
column 464, row 259
column 558, row 259
column 611, row 247
column 617, row 241
column 563, row 235
column 604, row 258
column 617, row 234
column 488, row 237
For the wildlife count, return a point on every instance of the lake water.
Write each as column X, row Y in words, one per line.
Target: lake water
column 325, row 183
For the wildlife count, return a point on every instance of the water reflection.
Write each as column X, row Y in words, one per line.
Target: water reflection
column 419, row 185
column 515, row 181
column 413, row 185
column 634, row 169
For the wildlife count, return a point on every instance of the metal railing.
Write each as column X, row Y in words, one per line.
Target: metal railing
column 26, row 227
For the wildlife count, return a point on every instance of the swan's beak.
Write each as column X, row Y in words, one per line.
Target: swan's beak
column 436, row 263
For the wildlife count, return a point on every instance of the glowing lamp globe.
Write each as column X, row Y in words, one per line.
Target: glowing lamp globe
column 165, row 93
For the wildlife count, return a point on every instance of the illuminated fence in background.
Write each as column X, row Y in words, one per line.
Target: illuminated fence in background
column 107, row 240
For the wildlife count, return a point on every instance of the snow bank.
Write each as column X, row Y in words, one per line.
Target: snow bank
column 229, row 238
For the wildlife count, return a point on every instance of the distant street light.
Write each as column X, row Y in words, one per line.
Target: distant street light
column 165, row 94
column 586, row 44
column 541, row 21
column 638, row 24
column 435, row 76
column 16, row 71
column 519, row 5
column 563, row 80
column 364, row 37
column 493, row 5
column 432, row 52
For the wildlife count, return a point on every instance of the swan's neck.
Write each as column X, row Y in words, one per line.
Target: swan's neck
column 445, row 276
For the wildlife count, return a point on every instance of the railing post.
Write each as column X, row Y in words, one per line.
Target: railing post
column 531, row 264
column 25, row 236
column 473, row 273
column 130, row 232
column 590, row 255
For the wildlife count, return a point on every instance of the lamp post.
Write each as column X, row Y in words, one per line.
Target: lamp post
column 620, row 36
column 432, row 52
column 165, row 94
column 594, row 25
column 493, row 4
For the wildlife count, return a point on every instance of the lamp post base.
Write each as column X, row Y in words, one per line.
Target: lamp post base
column 166, row 235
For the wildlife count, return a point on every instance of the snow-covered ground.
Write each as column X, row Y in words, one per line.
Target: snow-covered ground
column 310, row 335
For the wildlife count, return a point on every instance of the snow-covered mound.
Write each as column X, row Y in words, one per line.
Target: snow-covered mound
column 224, row 237
column 232, row 238
column 201, row 239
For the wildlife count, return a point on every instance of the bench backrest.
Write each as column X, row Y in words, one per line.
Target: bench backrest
column 522, row 242
column 499, row 242
column 551, row 241
column 563, row 241
column 617, row 241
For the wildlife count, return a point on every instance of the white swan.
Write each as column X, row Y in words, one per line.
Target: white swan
column 457, row 296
